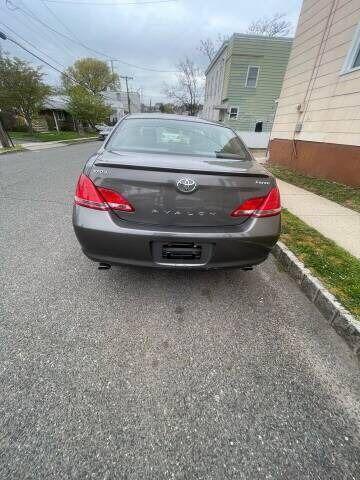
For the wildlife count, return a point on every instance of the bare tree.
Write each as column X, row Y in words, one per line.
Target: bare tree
column 275, row 26
column 209, row 47
column 187, row 93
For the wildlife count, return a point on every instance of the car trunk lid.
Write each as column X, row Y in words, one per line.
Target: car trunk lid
column 155, row 184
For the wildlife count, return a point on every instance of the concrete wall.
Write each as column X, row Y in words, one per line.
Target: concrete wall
column 255, row 140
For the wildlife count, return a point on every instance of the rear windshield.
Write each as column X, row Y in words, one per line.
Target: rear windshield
column 181, row 137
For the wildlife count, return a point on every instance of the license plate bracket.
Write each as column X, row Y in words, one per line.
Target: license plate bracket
column 181, row 252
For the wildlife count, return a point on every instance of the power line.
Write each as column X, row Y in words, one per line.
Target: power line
column 36, row 48
column 31, row 15
column 5, row 37
column 44, row 36
column 65, row 74
column 109, row 4
column 59, row 19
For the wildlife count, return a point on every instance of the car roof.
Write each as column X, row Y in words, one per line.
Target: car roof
column 170, row 116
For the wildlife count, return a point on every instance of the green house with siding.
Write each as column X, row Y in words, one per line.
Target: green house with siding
column 243, row 81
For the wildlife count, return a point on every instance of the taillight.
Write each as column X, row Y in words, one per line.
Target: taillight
column 99, row 198
column 115, row 200
column 267, row 206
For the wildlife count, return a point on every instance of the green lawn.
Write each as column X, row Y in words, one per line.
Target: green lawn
column 337, row 192
column 49, row 136
column 335, row 267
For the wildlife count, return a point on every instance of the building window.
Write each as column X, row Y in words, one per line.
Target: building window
column 352, row 61
column 233, row 113
column 252, row 76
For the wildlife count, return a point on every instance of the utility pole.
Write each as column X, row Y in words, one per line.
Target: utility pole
column 4, row 137
column 112, row 71
column 5, row 140
column 126, row 78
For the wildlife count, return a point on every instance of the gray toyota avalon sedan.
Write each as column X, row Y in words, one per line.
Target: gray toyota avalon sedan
column 175, row 192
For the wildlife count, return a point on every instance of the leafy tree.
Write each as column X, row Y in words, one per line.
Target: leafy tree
column 275, row 26
column 22, row 90
column 189, row 88
column 166, row 108
column 91, row 73
column 87, row 106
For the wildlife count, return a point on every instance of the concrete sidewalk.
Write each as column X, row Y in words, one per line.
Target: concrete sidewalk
column 40, row 145
column 334, row 221
column 56, row 143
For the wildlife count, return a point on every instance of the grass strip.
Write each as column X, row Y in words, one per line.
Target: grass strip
column 49, row 136
column 335, row 267
column 337, row 192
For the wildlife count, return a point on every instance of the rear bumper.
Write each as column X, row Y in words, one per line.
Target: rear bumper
column 103, row 240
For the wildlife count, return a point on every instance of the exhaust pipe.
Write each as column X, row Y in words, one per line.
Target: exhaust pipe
column 247, row 268
column 104, row 266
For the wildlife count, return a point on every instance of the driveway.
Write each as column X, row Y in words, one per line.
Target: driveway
column 142, row 374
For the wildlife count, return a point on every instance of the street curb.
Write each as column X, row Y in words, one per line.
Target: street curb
column 13, row 151
column 79, row 140
column 339, row 318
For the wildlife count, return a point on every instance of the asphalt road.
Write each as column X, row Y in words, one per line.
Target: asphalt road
column 142, row 374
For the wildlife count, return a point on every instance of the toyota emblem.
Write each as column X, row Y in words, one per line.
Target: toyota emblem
column 186, row 185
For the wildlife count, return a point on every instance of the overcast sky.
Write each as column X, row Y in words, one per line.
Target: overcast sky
column 153, row 35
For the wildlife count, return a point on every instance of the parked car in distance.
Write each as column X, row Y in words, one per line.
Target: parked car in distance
column 103, row 130
column 175, row 192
